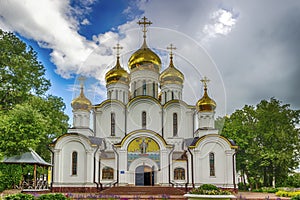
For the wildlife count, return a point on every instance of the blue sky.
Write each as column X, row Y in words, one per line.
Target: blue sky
column 249, row 49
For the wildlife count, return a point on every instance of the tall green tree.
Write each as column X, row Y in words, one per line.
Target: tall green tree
column 268, row 140
column 28, row 117
column 21, row 74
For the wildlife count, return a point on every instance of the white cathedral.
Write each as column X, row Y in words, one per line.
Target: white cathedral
column 143, row 134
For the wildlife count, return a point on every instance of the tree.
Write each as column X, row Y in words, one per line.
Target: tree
column 28, row 117
column 52, row 109
column 21, row 74
column 268, row 140
column 21, row 128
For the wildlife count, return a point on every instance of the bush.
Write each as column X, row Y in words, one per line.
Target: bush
column 297, row 197
column 287, row 193
column 19, row 196
column 209, row 189
column 52, row 197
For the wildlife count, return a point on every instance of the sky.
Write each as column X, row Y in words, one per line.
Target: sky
column 250, row 50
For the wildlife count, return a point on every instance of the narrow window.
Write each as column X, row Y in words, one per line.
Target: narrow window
column 74, row 163
column 153, row 89
column 117, row 95
column 211, row 164
column 175, row 124
column 165, row 97
column 172, row 95
column 124, row 96
column 108, row 173
column 109, row 94
column 144, row 87
column 134, row 89
column 144, row 120
column 113, row 124
column 179, row 174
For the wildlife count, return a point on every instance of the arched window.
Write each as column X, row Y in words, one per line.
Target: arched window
column 112, row 124
column 124, row 96
column 144, row 120
column 175, row 124
column 172, row 95
column 117, row 94
column 165, row 97
column 144, row 88
column 108, row 173
column 153, row 89
column 179, row 174
column 134, row 89
column 211, row 164
column 74, row 163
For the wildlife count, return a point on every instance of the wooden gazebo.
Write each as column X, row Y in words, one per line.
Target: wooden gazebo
column 30, row 158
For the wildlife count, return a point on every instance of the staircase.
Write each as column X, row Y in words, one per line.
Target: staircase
column 145, row 192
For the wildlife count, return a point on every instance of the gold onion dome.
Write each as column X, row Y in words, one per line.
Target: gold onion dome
column 171, row 75
column 144, row 56
column 117, row 74
column 206, row 104
column 81, row 102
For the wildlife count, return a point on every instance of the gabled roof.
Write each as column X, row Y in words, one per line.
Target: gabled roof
column 26, row 158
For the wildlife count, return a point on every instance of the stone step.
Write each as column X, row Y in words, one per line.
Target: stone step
column 143, row 190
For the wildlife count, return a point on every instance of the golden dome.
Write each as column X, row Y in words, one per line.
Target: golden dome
column 171, row 75
column 206, row 104
column 117, row 75
column 81, row 102
column 142, row 57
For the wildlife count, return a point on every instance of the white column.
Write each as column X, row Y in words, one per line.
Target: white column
column 123, row 173
column 164, row 167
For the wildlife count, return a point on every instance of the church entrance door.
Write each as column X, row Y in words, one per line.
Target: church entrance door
column 144, row 176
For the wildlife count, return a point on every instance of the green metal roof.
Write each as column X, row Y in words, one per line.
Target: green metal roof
column 26, row 158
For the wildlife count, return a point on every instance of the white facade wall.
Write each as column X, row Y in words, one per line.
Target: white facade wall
column 184, row 120
column 63, row 162
column 103, row 119
column 223, row 155
column 153, row 112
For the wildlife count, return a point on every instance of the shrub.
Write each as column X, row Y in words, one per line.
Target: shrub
column 287, row 193
column 209, row 189
column 50, row 196
column 297, row 197
column 19, row 196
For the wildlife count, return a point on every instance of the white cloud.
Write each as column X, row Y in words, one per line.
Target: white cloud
column 85, row 22
column 222, row 22
column 52, row 24
column 246, row 57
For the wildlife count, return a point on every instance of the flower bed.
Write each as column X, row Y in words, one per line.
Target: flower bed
column 208, row 192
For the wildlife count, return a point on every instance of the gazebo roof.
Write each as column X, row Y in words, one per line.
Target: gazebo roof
column 26, row 158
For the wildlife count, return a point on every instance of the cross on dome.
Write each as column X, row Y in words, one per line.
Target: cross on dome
column 205, row 80
column 144, row 23
column 171, row 48
column 118, row 47
column 81, row 80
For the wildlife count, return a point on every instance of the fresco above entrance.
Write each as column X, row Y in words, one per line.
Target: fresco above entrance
column 143, row 147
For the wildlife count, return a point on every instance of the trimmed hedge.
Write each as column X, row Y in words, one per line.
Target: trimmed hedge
column 287, row 193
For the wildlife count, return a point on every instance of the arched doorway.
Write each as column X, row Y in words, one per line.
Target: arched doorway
column 144, row 176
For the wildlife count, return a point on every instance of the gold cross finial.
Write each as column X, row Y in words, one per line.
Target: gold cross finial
column 81, row 79
column 205, row 80
column 118, row 48
column 171, row 48
column 144, row 23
